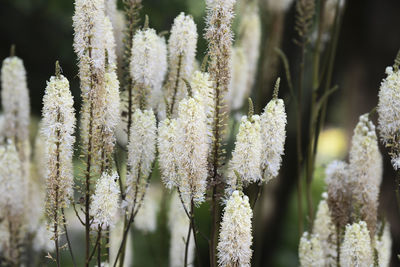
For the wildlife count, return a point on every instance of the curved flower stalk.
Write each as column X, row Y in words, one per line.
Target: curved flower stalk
column 148, row 66
column 16, row 107
column 146, row 219
column 389, row 114
column 365, row 172
column 383, row 245
column 116, row 236
column 250, row 40
column 192, row 150
column 58, row 125
column 326, row 231
column 273, row 134
column 235, row 239
column 182, row 46
column 339, row 192
column 178, row 223
column 310, row 251
column 12, row 202
column 246, row 157
column 168, row 136
column 141, row 154
column 238, row 84
column 356, row 248
column 105, row 201
column 278, row 5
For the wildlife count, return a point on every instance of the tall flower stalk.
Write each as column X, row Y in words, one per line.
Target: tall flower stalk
column 58, row 128
column 219, row 36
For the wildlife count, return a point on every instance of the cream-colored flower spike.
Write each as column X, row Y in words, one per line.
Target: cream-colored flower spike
column 13, row 184
column 141, row 154
column 356, row 248
column 326, row 230
column 383, row 245
column 109, row 39
column 273, row 134
column 182, row 46
column 389, row 114
column 178, row 224
column 58, row 125
column 250, row 40
column 168, row 136
column 105, row 201
column 235, row 238
column 192, row 150
column 339, row 191
column 246, row 157
column 278, row 5
column 310, row 251
column 15, row 99
column 148, row 65
column 365, row 171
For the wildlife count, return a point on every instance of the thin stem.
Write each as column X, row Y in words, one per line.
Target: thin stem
column 95, row 246
column 188, row 241
column 176, row 86
column 338, row 245
column 67, row 236
column 99, row 248
column 397, row 189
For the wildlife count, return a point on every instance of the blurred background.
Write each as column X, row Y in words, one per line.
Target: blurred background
column 369, row 40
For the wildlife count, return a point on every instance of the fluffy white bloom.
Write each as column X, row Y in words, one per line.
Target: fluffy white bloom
column 365, row 170
column 15, row 100
column 146, row 218
column 339, row 191
column 278, row 5
column 13, row 184
column 168, row 136
column 326, row 231
column 105, row 201
column 117, row 19
column 356, row 248
column 383, row 244
column 192, row 150
column 250, row 39
column 141, row 153
column 202, row 87
column 58, row 126
column 219, row 36
column 235, row 239
column 246, row 157
column 273, row 134
column 148, row 63
column 88, row 23
column 182, row 46
column 310, row 251
column 43, row 240
column 238, row 84
column 178, row 224
column 389, row 113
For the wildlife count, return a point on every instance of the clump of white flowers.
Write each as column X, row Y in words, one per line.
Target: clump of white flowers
column 339, row 191
column 105, row 201
column 246, row 158
column 148, row 66
column 141, row 154
column 389, row 114
column 192, row 150
column 235, row 239
column 383, row 245
column 178, row 223
column 365, row 171
column 58, row 126
column 311, row 253
column 356, row 248
column 182, row 46
column 15, row 100
column 326, row 231
column 273, row 133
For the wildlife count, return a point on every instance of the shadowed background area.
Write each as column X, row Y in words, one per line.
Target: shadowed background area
column 369, row 40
